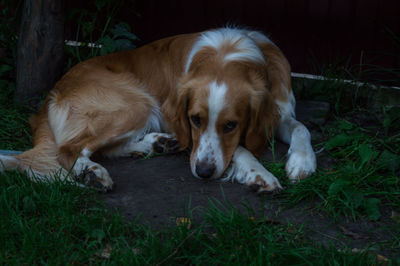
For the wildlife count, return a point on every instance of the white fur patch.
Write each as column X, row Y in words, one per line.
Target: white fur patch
column 246, row 169
column 258, row 37
column 287, row 108
column 242, row 40
column 287, row 116
column 58, row 119
column 82, row 162
column 209, row 150
column 8, row 163
column 302, row 161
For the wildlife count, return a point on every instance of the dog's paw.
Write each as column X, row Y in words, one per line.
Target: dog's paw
column 301, row 164
column 96, row 176
column 246, row 169
column 261, row 181
column 165, row 143
column 153, row 143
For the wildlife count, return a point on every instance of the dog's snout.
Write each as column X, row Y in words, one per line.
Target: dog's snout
column 205, row 170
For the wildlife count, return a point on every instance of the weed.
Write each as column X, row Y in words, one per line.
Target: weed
column 365, row 178
column 104, row 35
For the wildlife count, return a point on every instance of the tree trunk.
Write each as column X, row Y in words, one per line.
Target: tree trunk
column 40, row 49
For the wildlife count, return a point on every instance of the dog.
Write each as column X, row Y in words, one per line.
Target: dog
column 221, row 92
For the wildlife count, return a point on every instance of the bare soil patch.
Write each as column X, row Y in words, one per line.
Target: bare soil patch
column 160, row 189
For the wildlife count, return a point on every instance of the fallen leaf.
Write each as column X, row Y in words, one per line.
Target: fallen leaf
column 183, row 221
column 352, row 234
column 382, row 259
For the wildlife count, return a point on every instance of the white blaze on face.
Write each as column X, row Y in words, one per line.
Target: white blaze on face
column 209, row 150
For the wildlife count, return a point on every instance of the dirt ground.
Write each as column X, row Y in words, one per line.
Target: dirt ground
column 158, row 190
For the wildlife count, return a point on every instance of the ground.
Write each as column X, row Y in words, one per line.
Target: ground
column 162, row 188
column 347, row 213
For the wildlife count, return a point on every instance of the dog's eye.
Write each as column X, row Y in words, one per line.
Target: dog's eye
column 196, row 120
column 228, row 127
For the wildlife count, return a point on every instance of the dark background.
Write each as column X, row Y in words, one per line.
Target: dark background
column 314, row 34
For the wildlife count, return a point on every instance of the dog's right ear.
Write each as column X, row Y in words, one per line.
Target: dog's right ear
column 175, row 112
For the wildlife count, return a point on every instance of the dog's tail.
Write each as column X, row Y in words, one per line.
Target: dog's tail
column 40, row 161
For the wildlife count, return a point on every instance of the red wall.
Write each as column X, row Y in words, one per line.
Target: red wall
column 311, row 33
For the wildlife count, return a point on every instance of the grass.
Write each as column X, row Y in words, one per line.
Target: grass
column 14, row 120
column 366, row 175
column 59, row 223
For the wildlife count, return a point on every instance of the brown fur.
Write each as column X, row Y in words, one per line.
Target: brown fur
column 106, row 97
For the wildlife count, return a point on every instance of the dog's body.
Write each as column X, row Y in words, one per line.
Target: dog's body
column 221, row 92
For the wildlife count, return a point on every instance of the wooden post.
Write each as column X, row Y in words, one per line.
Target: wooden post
column 40, row 49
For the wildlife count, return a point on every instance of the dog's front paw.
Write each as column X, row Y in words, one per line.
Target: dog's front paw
column 256, row 177
column 261, row 180
column 246, row 169
column 301, row 164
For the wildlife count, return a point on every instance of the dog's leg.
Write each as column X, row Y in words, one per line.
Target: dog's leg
column 246, row 169
column 77, row 155
column 86, row 171
column 301, row 162
column 151, row 143
column 102, row 114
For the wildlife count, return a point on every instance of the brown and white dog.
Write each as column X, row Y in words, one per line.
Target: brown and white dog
column 221, row 92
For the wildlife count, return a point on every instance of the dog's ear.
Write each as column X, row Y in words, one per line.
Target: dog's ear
column 175, row 111
column 263, row 119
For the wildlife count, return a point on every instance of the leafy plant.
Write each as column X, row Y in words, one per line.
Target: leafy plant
column 120, row 38
column 367, row 159
column 365, row 178
column 98, row 33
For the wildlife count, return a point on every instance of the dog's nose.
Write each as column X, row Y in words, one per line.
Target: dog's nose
column 204, row 170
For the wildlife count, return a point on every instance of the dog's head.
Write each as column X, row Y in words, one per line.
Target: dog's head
column 216, row 114
column 223, row 101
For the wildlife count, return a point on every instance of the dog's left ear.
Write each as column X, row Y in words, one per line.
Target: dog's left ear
column 175, row 111
column 263, row 119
